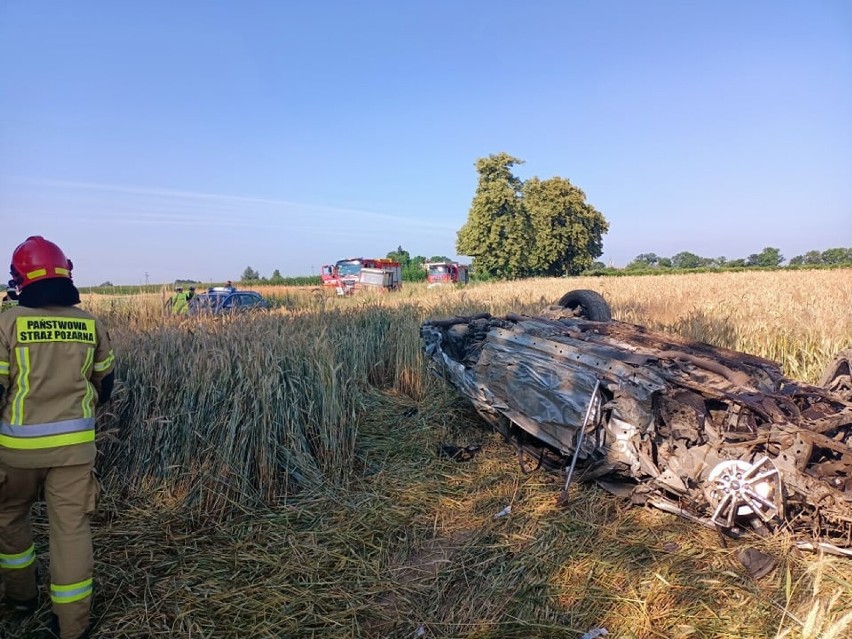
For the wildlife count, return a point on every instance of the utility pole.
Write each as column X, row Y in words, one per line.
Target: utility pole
column 146, row 278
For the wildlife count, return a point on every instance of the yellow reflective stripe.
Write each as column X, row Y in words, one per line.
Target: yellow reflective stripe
column 49, row 441
column 36, row 273
column 4, row 368
column 19, row 560
column 100, row 367
column 50, row 428
column 71, row 592
column 22, row 356
column 88, row 398
column 61, row 271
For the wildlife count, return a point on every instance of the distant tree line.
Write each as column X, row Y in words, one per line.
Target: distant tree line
column 770, row 257
column 830, row 257
column 251, row 276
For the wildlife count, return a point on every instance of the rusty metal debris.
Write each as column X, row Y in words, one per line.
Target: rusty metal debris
column 714, row 435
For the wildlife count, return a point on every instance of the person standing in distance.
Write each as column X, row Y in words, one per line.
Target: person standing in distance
column 180, row 301
column 56, row 363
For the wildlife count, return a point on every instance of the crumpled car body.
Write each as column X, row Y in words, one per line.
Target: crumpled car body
column 714, row 435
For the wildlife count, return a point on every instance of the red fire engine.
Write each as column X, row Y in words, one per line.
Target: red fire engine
column 373, row 274
column 438, row 273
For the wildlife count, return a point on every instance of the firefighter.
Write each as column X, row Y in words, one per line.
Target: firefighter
column 180, row 302
column 55, row 364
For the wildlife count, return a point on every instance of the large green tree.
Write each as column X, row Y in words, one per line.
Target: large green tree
column 567, row 231
column 537, row 227
column 497, row 233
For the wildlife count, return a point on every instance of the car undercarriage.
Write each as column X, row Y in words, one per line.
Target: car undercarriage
column 717, row 436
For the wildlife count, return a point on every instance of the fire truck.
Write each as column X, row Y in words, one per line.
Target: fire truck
column 360, row 273
column 438, row 273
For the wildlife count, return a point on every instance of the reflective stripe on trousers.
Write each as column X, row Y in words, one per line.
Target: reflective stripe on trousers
column 71, row 592
column 19, row 560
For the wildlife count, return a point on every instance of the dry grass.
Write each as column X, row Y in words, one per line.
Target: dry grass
column 277, row 476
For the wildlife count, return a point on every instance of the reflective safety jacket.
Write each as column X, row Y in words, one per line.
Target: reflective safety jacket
column 52, row 361
column 180, row 304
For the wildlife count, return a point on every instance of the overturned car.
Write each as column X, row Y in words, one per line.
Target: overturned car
column 714, row 435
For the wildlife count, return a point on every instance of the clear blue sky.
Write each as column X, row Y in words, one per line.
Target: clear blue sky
column 192, row 139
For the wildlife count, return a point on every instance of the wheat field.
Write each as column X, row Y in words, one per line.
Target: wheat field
column 277, row 475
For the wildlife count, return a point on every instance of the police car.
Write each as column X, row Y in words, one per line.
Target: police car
column 220, row 300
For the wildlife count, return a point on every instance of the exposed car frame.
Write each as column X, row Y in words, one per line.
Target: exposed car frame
column 714, row 435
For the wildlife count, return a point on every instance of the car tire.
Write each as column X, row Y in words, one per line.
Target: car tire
column 591, row 305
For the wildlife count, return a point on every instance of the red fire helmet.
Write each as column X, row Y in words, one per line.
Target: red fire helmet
column 38, row 259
